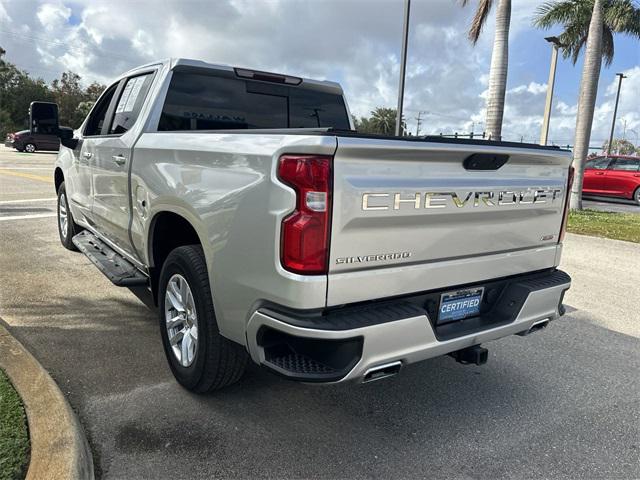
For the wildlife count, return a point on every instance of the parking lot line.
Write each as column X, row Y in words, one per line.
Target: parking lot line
column 26, row 168
column 27, row 175
column 29, row 200
column 27, row 217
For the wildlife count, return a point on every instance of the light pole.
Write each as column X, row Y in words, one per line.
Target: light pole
column 403, row 66
column 615, row 112
column 555, row 44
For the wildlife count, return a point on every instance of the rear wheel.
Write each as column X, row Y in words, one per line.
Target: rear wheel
column 29, row 148
column 67, row 228
column 200, row 358
column 636, row 196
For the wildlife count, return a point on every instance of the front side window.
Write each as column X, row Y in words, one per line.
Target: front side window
column 600, row 163
column 626, row 164
column 130, row 103
column 99, row 113
column 199, row 101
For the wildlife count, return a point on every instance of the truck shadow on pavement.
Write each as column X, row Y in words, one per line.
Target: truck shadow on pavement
column 437, row 417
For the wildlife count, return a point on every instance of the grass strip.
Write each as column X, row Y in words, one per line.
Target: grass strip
column 14, row 436
column 619, row 226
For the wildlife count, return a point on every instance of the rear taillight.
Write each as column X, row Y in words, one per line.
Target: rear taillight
column 305, row 232
column 567, row 200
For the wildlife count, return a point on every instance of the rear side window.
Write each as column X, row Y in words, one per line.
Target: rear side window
column 627, row 164
column 130, row 103
column 99, row 113
column 599, row 163
column 198, row 101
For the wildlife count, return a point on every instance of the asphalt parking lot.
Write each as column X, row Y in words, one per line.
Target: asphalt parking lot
column 617, row 205
column 563, row 403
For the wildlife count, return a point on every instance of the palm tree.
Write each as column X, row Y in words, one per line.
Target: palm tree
column 383, row 120
column 590, row 22
column 499, row 59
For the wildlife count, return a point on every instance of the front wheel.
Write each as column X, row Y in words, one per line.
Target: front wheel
column 200, row 358
column 67, row 228
column 29, row 148
column 636, row 196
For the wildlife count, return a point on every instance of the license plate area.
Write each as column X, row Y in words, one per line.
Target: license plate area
column 459, row 304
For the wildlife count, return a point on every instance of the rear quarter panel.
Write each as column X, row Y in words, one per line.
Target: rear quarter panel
column 225, row 185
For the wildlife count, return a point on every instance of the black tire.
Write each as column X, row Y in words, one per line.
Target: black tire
column 218, row 361
column 29, row 147
column 71, row 227
column 636, row 196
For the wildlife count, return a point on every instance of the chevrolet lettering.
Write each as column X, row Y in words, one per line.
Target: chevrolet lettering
column 397, row 201
column 263, row 233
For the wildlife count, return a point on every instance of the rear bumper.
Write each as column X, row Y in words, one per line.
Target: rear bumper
column 344, row 345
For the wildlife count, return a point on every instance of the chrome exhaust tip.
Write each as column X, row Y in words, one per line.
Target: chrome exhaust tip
column 382, row 371
column 536, row 327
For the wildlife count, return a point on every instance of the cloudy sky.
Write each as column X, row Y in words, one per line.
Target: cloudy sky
column 354, row 42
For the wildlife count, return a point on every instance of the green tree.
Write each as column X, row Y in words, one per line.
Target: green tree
column 590, row 23
column 17, row 91
column 620, row 146
column 68, row 94
column 499, row 59
column 83, row 109
column 381, row 122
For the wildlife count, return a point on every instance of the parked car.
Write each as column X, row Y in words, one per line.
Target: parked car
column 26, row 141
column 266, row 227
column 613, row 176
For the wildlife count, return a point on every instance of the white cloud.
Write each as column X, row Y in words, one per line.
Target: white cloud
column 53, row 16
column 354, row 42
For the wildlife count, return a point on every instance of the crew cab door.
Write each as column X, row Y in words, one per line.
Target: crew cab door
column 595, row 171
column 78, row 177
column 111, row 208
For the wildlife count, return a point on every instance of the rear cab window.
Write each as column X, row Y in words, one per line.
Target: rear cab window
column 206, row 101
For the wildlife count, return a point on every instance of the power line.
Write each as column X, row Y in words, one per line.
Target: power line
column 57, row 43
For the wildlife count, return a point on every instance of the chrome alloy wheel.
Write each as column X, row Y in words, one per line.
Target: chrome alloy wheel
column 63, row 217
column 29, row 148
column 181, row 320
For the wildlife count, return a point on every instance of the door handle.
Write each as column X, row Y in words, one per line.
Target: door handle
column 87, row 155
column 119, row 160
column 599, row 173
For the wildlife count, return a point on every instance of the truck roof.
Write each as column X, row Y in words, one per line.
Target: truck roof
column 174, row 62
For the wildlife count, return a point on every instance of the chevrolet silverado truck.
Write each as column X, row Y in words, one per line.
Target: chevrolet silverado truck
column 267, row 229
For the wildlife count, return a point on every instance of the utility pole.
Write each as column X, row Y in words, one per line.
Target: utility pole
column 555, row 43
column 419, row 122
column 403, row 66
column 615, row 112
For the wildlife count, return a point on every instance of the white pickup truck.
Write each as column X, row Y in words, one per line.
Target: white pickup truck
column 267, row 228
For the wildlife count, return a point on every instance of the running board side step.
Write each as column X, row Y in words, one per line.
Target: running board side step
column 115, row 267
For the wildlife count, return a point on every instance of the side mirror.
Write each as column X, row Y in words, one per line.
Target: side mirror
column 43, row 118
column 66, row 137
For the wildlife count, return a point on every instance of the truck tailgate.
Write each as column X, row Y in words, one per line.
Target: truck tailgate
column 412, row 216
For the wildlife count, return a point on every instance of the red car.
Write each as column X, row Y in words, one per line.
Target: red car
column 613, row 176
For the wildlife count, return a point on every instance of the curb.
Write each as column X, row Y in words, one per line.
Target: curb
column 59, row 448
